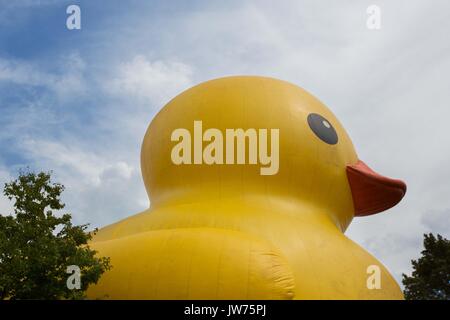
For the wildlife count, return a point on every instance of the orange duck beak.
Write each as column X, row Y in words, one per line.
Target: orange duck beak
column 372, row 192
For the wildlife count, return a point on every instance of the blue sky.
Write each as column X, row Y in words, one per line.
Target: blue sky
column 78, row 102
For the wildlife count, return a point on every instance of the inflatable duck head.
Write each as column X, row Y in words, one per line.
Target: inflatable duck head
column 252, row 182
column 245, row 136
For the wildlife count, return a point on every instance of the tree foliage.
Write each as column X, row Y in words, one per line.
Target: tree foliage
column 430, row 279
column 37, row 246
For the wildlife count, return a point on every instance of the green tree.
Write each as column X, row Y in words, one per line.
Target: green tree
column 430, row 279
column 36, row 246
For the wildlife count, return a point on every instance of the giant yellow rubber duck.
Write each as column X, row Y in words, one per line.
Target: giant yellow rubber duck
column 252, row 182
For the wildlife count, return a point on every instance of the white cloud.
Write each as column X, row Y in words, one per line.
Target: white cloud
column 87, row 166
column 150, row 81
column 119, row 170
column 92, row 179
column 5, row 204
column 21, row 73
column 437, row 221
column 65, row 84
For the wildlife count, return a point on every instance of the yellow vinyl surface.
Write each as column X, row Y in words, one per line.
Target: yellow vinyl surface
column 225, row 231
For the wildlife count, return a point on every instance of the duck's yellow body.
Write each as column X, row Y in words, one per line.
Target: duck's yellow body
column 225, row 231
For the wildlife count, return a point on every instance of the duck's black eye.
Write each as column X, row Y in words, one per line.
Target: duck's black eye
column 322, row 128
